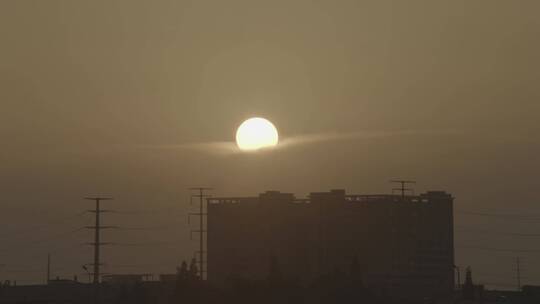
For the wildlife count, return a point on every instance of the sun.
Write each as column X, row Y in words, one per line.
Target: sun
column 256, row 133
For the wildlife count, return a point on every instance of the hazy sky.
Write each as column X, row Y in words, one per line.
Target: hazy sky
column 89, row 88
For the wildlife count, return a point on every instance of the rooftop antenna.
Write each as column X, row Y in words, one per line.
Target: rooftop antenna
column 403, row 189
column 200, row 194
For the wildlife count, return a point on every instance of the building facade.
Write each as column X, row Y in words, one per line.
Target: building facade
column 403, row 244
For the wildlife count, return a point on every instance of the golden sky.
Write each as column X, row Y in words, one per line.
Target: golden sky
column 86, row 87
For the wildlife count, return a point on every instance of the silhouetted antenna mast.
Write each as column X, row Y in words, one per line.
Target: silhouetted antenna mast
column 518, row 273
column 458, row 272
column 403, row 189
column 48, row 268
column 201, row 196
column 97, row 242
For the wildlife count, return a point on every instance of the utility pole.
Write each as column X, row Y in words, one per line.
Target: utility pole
column 458, row 276
column 88, row 273
column 403, row 189
column 48, row 268
column 518, row 273
column 201, row 196
column 97, row 242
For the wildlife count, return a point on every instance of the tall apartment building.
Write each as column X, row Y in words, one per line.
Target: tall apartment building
column 404, row 245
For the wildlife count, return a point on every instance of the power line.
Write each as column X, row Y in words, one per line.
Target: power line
column 500, row 249
column 145, row 228
column 528, row 215
column 153, row 244
column 148, row 211
column 528, row 218
column 53, row 222
column 500, row 284
column 499, row 232
column 50, row 238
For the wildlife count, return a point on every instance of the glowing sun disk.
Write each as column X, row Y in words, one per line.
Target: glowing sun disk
column 256, row 133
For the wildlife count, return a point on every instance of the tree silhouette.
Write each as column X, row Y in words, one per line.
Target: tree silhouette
column 182, row 271
column 193, row 269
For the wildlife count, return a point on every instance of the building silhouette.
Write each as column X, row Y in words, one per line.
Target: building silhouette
column 402, row 245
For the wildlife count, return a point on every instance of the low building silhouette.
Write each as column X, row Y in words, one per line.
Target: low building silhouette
column 115, row 289
column 126, row 279
column 403, row 245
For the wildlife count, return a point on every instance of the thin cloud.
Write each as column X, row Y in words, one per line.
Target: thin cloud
column 325, row 137
column 230, row 147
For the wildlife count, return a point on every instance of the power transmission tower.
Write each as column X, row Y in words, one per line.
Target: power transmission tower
column 518, row 273
column 97, row 242
column 201, row 196
column 403, row 189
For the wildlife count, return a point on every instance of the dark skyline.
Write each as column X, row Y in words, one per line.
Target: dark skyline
column 94, row 94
